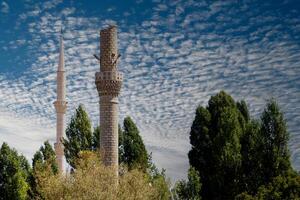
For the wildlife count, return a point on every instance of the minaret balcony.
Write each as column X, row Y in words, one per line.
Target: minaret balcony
column 109, row 82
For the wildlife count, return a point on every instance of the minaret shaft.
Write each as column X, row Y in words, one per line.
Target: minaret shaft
column 109, row 82
column 60, row 107
column 61, row 96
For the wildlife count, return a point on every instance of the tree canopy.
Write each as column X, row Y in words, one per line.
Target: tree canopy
column 132, row 151
column 135, row 153
column 216, row 148
column 14, row 174
column 239, row 157
column 79, row 135
column 189, row 189
column 92, row 180
column 45, row 156
column 43, row 160
column 232, row 156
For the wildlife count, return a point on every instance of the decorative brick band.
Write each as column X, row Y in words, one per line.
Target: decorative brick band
column 109, row 75
column 109, row 83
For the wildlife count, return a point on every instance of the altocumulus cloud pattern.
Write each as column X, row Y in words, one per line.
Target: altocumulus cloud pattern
column 175, row 55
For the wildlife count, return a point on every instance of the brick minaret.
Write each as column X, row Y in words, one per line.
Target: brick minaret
column 60, row 107
column 109, row 82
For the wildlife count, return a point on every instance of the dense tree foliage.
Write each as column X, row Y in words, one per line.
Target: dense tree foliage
column 14, row 174
column 158, row 179
column 280, row 188
column 45, row 156
column 92, row 180
column 96, row 139
column 216, row 148
column 43, row 160
column 188, row 189
column 232, row 156
column 132, row 151
column 135, row 153
column 274, row 136
column 250, row 174
column 238, row 157
column 79, row 135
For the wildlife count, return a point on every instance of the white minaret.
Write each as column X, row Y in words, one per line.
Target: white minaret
column 60, row 106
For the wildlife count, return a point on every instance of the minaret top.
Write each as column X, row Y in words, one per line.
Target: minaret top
column 61, row 63
column 109, row 55
column 61, row 87
column 109, row 79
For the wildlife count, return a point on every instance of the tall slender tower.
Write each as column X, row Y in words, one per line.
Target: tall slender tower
column 109, row 82
column 60, row 106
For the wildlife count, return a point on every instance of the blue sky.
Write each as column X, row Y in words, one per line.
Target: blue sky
column 175, row 55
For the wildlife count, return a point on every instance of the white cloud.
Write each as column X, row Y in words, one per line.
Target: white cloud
column 68, row 11
column 111, row 9
column 22, row 134
column 167, row 73
column 4, row 7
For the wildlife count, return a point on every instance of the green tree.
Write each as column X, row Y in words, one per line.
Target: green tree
column 280, row 188
column 14, row 174
column 200, row 154
column 274, row 148
column 135, row 153
column 79, row 135
column 216, row 149
column 238, row 157
column 43, row 159
column 158, row 180
column 242, row 106
column 251, row 174
column 45, row 156
column 265, row 153
column 132, row 151
column 92, row 180
column 189, row 190
column 96, row 138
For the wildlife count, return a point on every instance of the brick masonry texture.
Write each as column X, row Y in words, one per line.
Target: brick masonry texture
column 109, row 82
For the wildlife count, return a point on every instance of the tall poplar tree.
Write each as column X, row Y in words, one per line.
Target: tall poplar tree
column 238, row 157
column 134, row 151
column 78, row 135
column 216, row 148
column 275, row 154
column 251, row 174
